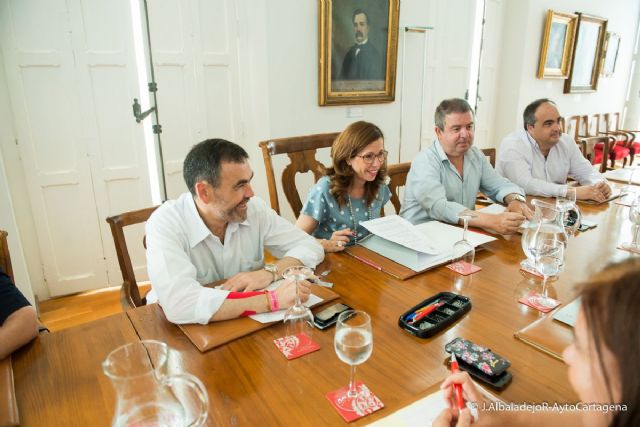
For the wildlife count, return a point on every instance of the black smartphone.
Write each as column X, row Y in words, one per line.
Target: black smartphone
column 329, row 316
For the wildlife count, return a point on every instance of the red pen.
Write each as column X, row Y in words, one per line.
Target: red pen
column 425, row 312
column 369, row 263
column 454, row 370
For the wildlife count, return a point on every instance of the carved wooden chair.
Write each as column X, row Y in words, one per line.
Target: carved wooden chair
column 129, row 292
column 301, row 151
column 398, row 178
column 597, row 151
column 624, row 137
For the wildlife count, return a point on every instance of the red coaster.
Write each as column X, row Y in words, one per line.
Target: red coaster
column 534, row 300
column 296, row 345
column 464, row 268
column 350, row 409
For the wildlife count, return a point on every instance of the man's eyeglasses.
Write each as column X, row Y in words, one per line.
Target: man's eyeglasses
column 370, row 157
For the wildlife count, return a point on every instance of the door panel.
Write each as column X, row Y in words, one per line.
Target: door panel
column 71, row 78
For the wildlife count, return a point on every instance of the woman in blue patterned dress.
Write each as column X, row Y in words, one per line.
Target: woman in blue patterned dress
column 353, row 191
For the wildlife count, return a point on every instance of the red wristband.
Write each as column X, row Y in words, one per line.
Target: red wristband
column 273, row 301
column 239, row 295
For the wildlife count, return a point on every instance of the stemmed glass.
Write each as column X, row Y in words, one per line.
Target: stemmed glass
column 548, row 255
column 353, row 343
column 463, row 250
column 634, row 217
column 298, row 318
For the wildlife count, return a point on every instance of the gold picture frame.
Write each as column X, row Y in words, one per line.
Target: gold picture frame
column 358, row 50
column 610, row 54
column 587, row 59
column 557, row 45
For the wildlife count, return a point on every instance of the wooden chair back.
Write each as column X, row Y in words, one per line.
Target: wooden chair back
column 129, row 293
column 589, row 142
column 398, row 178
column 301, row 151
column 5, row 257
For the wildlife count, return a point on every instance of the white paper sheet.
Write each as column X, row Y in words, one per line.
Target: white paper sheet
column 398, row 230
column 420, row 413
column 622, row 175
column 276, row 316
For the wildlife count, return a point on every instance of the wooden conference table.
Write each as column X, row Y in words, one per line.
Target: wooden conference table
column 59, row 380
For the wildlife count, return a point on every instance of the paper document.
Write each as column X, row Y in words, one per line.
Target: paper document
column 420, row 413
column 622, row 175
column 276, row 316
column 441, row 236
column 398, row 230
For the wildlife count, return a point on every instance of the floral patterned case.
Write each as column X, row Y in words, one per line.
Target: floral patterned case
column 478, row 357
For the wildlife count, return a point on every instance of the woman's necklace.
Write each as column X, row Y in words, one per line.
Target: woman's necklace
column 353, row 219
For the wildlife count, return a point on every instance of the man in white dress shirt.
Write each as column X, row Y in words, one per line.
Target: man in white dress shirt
column 220, row 231
column 539, row 158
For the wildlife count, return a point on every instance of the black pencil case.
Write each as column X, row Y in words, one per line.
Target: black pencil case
column 450, row 308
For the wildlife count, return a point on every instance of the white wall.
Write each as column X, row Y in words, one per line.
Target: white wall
column 523, row 27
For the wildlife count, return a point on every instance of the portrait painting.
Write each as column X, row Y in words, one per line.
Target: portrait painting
column 612, row 45
column 586, row 62
column 357, row 51
column 557, row 45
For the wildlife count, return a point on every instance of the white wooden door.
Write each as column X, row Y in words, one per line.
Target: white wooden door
column 195, row 53
column 71, row 77
column 447, row 66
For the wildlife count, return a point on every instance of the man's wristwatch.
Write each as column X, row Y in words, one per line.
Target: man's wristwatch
column 518, row 197
column 273, row 269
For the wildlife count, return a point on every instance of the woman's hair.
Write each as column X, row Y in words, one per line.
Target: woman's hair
column 610, row 303
column 346, row 146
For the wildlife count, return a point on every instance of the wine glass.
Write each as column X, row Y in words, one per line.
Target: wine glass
column 353, row 344
column 634, row 217
column 298, row 318
column 463, row 250
column 548, row 255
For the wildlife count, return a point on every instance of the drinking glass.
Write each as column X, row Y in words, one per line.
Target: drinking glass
column 298, row 318
column 463, row 250
column 353, row 344
column 628, row 190
column 634, row 217
column 548, row 254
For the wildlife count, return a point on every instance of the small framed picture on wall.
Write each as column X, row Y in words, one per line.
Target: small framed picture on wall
column 557, row 45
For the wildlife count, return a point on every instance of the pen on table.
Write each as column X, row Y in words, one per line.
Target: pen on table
column 458, row 387
column 369, row 263
column 425, row 311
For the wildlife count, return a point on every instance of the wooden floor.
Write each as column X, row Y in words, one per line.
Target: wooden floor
column 72, row 310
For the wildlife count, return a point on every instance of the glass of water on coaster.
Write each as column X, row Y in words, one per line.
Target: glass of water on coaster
column 353, row 344
column 298, row 318
column 463, row 250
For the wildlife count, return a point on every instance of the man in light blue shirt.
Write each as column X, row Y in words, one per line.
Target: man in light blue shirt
column 540, row 157
column 445, row 178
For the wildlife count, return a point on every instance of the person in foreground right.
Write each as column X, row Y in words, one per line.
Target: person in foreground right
column 603, row 362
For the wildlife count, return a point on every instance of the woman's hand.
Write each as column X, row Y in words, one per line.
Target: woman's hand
column 338, row 241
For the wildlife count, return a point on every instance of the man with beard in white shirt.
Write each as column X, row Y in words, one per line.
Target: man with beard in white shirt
column 219, row 230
